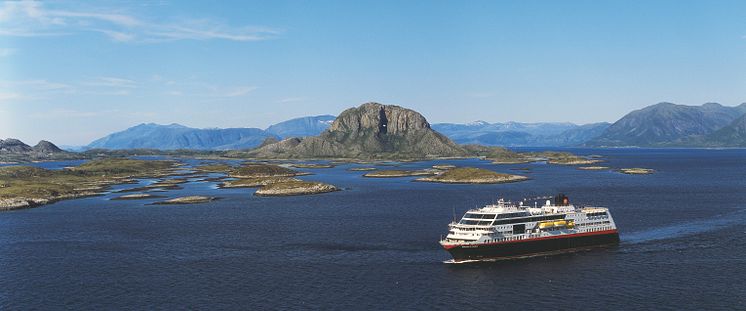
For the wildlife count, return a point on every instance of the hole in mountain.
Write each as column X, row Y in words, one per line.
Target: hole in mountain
column 383, row 122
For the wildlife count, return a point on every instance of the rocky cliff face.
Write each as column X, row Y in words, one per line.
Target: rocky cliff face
column 372, row 130
column 14, row 150
column 46, row 147
column 12, row 145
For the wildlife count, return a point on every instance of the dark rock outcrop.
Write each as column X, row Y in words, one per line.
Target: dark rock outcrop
column 14, row 150
column 12, row 146
column 372, row 130
column 47, row 147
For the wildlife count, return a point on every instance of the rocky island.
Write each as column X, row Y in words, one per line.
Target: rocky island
column 471, row 175
column 593, row 168
column 311, row 165
column 399, row 173
column 193, row 199
column 137, row 196
column 637, row 171
column 273, row 180
column 297, row 187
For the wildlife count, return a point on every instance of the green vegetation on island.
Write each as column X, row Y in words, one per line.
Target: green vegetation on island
column 472, row 175
column 137, row 196
column 259, row 170
column 400, row 173
column 311, row 165
column 361, row 169
column 297, row 187
column 25, row 186
column 273, row 180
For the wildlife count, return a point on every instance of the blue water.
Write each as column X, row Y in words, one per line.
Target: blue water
column 374, row 245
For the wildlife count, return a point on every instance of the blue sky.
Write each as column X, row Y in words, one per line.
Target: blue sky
column 71, row 72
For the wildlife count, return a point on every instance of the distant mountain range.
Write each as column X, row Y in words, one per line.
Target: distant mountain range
column 176, row 136
column 660, row 125
column 671, row 125
column 516, row 134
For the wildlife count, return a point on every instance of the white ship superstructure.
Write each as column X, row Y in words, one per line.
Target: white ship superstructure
column 505, row 229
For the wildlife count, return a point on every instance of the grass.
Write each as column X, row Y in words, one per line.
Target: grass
column 472, row 175
column 121, row 166
column 399, row 173
column 255, row 182
column 250, row 170
column 32, row 183
column 215, row 168
column 295, row 187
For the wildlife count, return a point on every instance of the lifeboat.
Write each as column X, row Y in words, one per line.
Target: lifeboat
column 560, row 223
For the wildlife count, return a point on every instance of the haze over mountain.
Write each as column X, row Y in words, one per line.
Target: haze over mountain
column 667, row 124
column 176, row 136
column 371, row 130
column 732, row 135
column 521, row 134
column 302, row 127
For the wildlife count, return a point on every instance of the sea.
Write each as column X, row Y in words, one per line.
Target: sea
column 374, row 245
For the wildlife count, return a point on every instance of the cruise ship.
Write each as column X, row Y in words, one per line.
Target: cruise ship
column 506, row 230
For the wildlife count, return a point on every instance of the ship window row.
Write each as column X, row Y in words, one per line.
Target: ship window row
column 479, row 216
column 595, row 223
column 595, row 214
column 511, row 215
column 475, row 222
column 529, row 219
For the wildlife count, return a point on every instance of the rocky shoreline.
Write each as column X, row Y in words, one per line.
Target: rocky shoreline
column 636, row 171
column 399, row 173
column 192, row 199
column 471, row 175
column 295, row 188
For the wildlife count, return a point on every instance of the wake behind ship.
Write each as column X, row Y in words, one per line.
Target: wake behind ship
column 506, row 230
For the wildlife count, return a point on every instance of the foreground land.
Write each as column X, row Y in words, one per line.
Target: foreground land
column 26, row 186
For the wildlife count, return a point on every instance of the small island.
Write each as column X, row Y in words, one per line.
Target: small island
column 259, row 170
column 593, row 168
column 192, row 199
column 471, row 175
column 273, row 180
column 443, row 166
column 361, row 169
column 400, row 173
column 636, row 171
column 290, row 188
column 137, row 196
column 214, row 168
column 311, row 165
column 255, row 182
